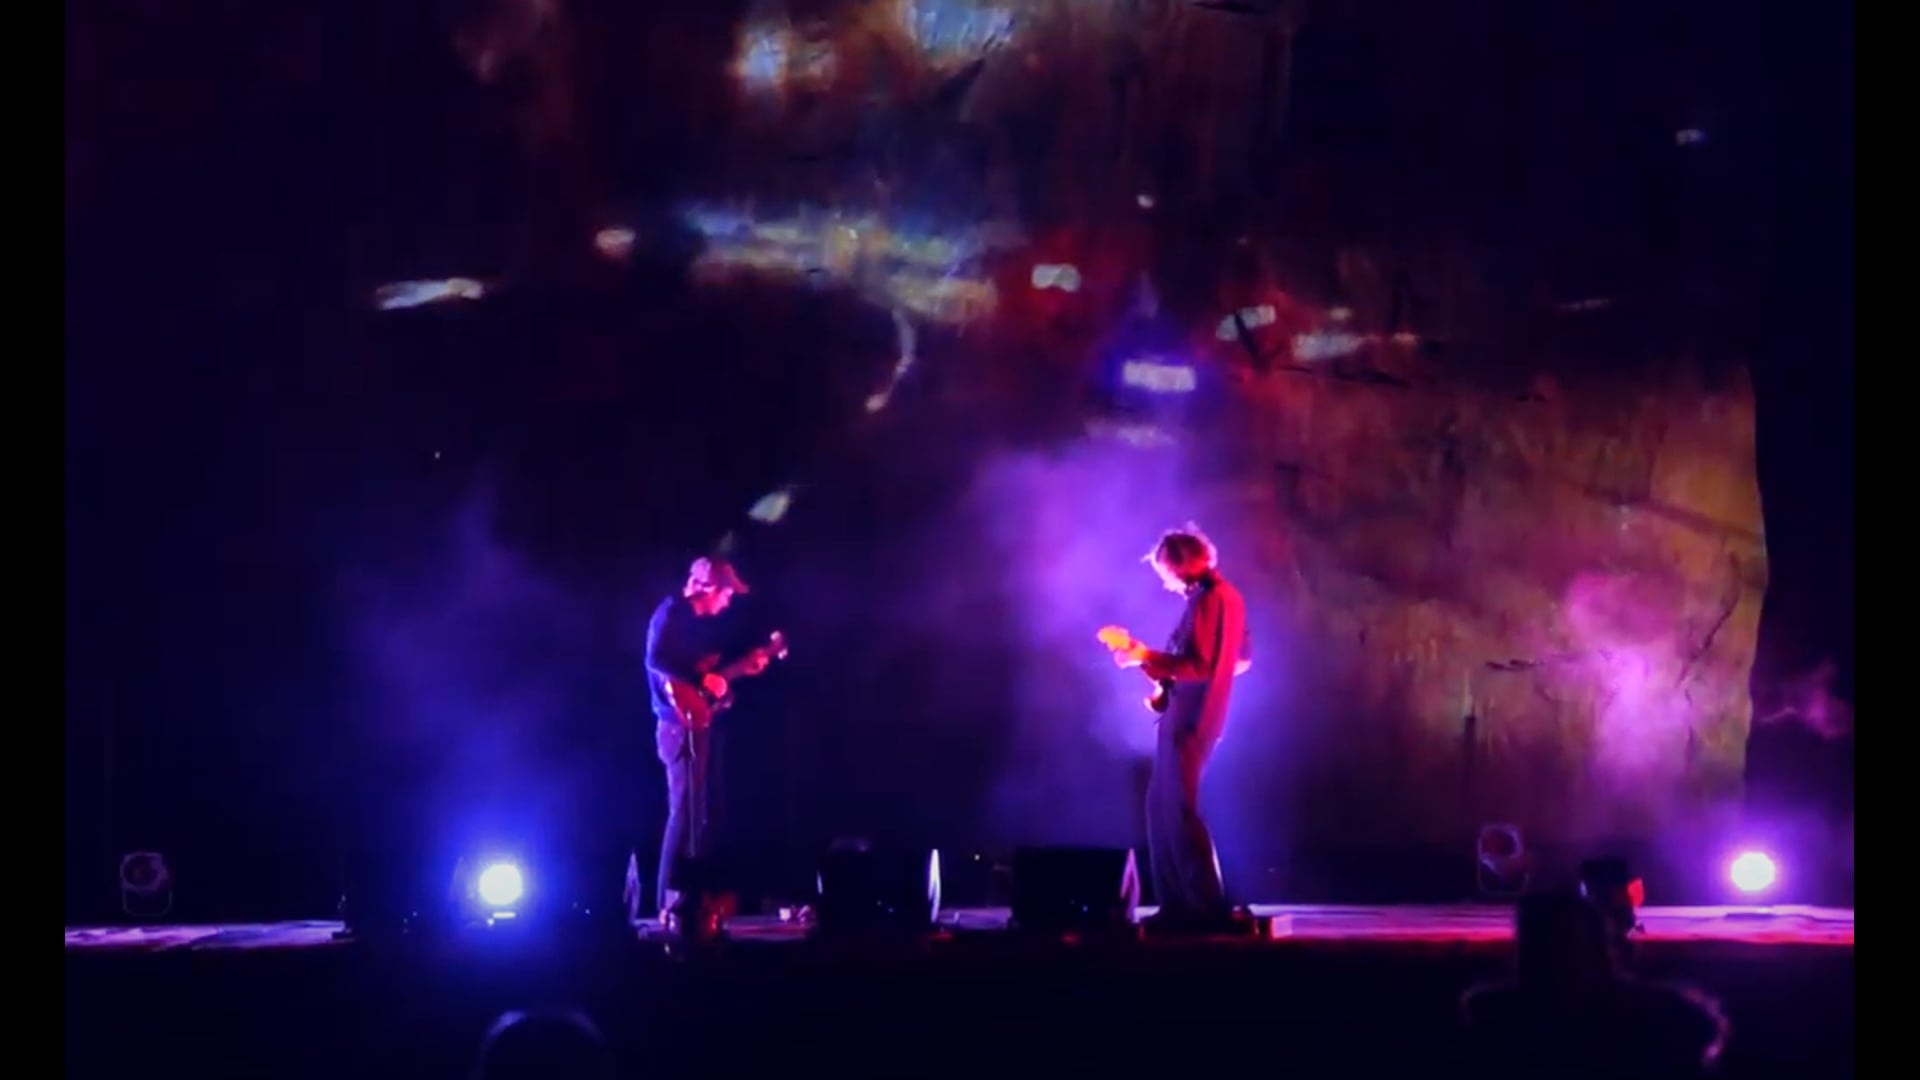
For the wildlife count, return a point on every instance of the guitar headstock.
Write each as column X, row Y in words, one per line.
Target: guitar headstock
column 777, row 645
column 1114, row 637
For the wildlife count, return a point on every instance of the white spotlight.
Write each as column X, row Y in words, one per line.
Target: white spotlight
column 500, row 885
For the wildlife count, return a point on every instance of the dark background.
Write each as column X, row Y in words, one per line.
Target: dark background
column 252, row 454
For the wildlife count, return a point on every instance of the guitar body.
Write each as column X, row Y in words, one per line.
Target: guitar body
column 696, row 707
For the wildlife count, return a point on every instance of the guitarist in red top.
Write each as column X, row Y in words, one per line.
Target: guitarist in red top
column 688, row 688
column 1196, row 670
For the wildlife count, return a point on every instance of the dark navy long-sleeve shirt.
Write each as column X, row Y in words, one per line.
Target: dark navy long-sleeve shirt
column 676, row 643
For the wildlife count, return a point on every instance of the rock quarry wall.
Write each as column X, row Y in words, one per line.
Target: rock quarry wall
column 1505, row 584
column 1536, row 607
column 1515, row 565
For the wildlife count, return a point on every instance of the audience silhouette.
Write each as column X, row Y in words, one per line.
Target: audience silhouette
column 550, row 1045
column 1570, row 1009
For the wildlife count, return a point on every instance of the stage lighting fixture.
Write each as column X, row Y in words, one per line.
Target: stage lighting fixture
column 1065, row 890
column 394, row 895
column 500, row 885
column 495, row 891
column 864, row 892
column 1753, row 872
column 1500, row 861
column 146, row 885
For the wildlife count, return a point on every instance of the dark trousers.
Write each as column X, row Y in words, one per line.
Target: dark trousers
column 684, row 753
column 1186, row 873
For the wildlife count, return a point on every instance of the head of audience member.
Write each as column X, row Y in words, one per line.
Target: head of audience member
column 1562, row 942
column 553, row 1045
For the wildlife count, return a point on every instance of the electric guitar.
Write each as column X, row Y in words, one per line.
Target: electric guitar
column 696, row 707
column 1118, row 640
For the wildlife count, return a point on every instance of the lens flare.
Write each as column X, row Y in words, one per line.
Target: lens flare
column 1752, row 872
column 500, row 885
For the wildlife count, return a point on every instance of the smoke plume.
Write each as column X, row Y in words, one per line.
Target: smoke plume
column 472, row 665
column 1807, row 699
column 1068, row 529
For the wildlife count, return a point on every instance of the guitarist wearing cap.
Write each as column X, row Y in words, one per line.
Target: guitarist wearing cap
column 1195, row 674
column 687, row 688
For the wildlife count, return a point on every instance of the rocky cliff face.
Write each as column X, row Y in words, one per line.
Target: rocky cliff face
column 1516, row 564
column 1516, row 558
column 1538, row 607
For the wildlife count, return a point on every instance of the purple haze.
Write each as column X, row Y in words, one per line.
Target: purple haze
column 474, row 662
column 1068, row 530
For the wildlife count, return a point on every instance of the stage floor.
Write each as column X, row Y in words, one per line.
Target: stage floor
column 1464, row 924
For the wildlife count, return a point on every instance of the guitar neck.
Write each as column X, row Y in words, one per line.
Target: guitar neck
column 738, row 668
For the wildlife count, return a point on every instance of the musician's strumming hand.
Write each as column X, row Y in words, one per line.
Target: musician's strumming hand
column 1132, row 656
column 714, row 685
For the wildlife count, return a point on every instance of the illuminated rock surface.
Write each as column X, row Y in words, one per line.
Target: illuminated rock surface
column 1568, row 552
column 1572, row 558
column 1566, row 548
column 1580, row 571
